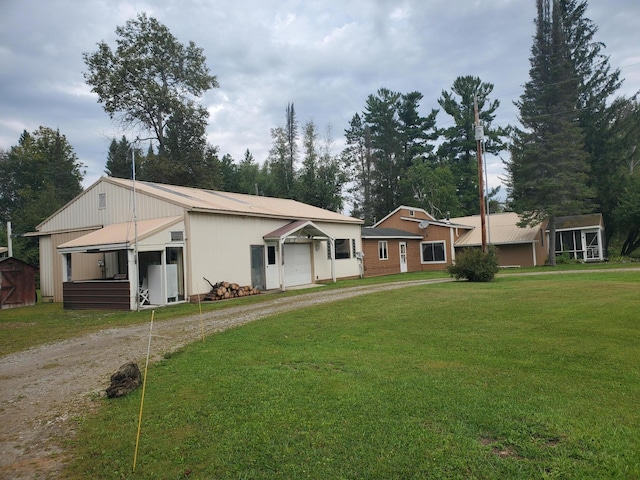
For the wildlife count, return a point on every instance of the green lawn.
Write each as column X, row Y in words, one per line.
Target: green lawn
column 524, row 377
column 21, row 328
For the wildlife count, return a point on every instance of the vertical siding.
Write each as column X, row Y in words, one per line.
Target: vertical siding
column 219, row 248
column 84, row 211
column 345, row 267
column 51, row 264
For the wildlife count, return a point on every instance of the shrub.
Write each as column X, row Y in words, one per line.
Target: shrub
column 475, row 265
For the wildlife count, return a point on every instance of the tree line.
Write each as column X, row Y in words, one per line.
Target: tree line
column 574, row 150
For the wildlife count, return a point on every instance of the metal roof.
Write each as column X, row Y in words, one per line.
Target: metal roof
column 502, row 229
column 118, row 235
column 196, row 199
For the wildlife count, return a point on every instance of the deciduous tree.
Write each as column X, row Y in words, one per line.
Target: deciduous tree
column 148, row 77
column 37, row 176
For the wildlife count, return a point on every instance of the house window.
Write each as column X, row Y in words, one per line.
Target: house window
column 102, row 201
column 383, row 250
column 353, row 247
column 433, row 252
column 343, row 248
column 271, row 255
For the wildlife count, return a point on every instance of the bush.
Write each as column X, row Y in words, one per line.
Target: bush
column 474, row 265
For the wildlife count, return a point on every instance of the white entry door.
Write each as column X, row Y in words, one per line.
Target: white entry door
column 403, row 257
column 273, row 273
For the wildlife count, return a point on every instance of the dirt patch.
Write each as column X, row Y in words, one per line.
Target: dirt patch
column 44, row 389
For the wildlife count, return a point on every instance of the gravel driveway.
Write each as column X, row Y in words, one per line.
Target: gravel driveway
column 42, row 389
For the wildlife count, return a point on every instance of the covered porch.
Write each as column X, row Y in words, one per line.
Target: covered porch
column 125, row 266
column 580, row 237
column 291, row 251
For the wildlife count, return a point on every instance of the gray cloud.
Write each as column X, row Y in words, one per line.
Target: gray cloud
column 325, row 57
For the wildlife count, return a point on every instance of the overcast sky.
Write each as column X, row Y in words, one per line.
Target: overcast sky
column 325, row 57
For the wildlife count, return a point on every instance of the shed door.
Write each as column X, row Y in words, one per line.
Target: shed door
column 11, row 288
column 297, row 264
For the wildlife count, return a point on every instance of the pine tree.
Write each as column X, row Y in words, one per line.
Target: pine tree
column 458, row 151
column 597, row 82
column 358, row 159
column 548, row 171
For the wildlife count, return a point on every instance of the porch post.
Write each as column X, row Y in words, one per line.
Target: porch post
column 281, row 263
column 600, row 245
column 333, row 259
column 132, row 269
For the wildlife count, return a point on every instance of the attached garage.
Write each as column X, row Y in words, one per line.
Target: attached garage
column 297, row 264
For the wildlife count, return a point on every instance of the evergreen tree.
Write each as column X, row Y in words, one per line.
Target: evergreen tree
column 416, row 134
column 276, row 168
column 549, row 165
column 249, row 175
column 620, row 187
column 399, row 137
column 382, row 116
column 291, row 132
column 459, row 149
column 358, row 160
column 187, row 158
column 230, row 181
column 321, row 178
column 119, row 159
column 597, row 83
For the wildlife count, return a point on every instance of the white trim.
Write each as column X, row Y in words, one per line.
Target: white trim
column 386, row 249
column 444, row 250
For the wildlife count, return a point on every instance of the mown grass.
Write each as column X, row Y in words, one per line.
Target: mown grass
column 524, row 377
column 22, row 328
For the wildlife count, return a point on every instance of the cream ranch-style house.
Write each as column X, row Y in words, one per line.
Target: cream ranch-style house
column 123, row 244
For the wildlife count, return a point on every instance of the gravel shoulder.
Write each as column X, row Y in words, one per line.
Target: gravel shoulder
column 43, row 389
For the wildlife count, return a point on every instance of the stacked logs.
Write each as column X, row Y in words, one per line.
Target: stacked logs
column 225, row 290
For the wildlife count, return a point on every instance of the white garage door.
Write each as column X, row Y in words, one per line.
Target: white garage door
column 297, row 264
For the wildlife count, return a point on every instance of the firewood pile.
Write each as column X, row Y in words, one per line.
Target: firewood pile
column 225, row 290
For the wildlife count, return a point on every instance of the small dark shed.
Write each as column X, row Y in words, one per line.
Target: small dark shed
column 17, row 283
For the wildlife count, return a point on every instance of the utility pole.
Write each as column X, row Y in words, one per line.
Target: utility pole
column 479, row 133
column 9, row 239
